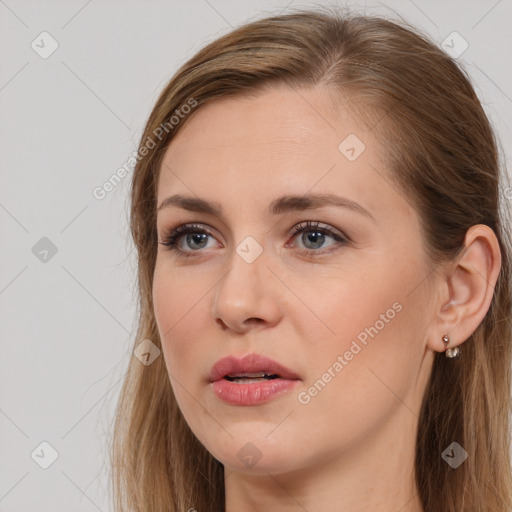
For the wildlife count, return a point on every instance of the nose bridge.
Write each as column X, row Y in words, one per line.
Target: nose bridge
column 244, row 292
column 242, row 282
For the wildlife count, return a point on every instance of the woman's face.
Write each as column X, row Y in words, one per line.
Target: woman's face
column 343, row 303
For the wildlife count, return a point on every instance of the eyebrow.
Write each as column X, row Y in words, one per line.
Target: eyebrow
column 280, row 205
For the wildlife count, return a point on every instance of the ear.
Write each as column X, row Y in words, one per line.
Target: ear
column 467, row 287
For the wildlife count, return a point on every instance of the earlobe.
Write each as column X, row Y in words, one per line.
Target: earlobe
column 452, row 351
column 469, row 284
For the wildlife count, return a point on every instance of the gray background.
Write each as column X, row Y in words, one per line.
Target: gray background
column 68, row 122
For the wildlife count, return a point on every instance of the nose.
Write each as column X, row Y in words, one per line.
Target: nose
column 247, row 297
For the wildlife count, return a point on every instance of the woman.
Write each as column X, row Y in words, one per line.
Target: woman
column 324, row 281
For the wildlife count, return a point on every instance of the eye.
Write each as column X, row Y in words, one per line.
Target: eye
column 313, row 237
column 194, row 235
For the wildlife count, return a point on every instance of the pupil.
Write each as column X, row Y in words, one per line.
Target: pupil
column 313, row 236
column 196, row 238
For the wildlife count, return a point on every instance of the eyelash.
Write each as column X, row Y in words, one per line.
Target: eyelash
column 172, row 237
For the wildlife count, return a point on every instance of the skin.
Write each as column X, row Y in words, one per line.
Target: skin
column 351, row 447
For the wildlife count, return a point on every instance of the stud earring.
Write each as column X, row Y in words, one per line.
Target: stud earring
column 450, row 352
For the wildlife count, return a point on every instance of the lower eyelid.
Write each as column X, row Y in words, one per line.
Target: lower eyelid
column 178, row 234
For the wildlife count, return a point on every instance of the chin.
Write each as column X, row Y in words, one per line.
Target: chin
column 250, row 453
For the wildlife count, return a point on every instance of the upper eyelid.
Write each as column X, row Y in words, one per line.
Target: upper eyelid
column 305, row 225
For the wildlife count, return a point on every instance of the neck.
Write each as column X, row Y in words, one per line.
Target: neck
column 374, row 474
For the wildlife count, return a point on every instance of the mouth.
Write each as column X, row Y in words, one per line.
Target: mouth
column 250, row 368
column 247, row 378
column 252, row 380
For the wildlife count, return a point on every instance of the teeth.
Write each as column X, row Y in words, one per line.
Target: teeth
column 249, row 381
column 252, row 375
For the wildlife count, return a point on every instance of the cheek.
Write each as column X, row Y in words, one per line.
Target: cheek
column 173, row 306
column 174, row 297
column 165, row 304
column 181, row 313
column 371, row 320
column 359, row 377
column 343, row 308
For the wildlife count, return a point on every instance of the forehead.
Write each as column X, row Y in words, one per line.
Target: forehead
column 278, row 121
column 280, row 141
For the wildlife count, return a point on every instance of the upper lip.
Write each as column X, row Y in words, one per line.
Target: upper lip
column 251, row 363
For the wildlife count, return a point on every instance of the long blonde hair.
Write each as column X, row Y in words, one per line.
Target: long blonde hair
column 443, row 156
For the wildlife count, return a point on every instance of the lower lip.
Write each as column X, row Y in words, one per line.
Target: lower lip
column 252, row 393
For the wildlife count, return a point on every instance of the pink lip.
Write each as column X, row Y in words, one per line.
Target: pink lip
column 250, row 363
column 251, row 393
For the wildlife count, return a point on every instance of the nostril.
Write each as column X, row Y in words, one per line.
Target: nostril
column 253, row 321
column 221, row 324
column 235, row 325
